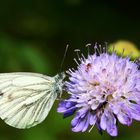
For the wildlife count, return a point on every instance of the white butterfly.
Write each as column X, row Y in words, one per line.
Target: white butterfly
column 26, row 98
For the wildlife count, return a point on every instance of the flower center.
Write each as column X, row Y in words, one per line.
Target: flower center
column 100, row 94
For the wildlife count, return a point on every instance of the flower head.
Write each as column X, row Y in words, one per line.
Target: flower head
column 104, row 90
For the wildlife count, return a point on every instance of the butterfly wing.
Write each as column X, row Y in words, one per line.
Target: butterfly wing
column 25, row 98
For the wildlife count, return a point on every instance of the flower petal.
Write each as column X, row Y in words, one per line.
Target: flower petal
column 75, row 120
column 87, row 122
column 124, row 117
column 111, row 125
column 113, row 131
column 79, row 126
column 69, row 112
column 92, row 119
column 62, row 107
column 134, row 109
column 103, row 122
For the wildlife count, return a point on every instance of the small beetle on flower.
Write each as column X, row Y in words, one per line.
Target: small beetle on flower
column 104, row 90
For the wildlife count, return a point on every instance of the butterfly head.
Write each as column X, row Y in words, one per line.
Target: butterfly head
column 59, row 80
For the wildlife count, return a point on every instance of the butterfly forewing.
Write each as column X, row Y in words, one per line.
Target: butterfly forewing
column 26, row 98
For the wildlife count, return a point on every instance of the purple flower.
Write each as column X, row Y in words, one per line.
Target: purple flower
column 104, row 90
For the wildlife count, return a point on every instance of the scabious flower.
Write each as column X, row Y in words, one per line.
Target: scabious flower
column 104, row 90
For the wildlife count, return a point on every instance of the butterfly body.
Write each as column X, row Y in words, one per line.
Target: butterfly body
column 26, row 98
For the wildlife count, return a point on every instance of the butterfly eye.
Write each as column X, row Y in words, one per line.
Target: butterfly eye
column 57, row 90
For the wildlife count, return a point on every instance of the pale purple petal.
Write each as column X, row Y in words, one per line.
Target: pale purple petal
column 113, row 131
column 75, row 120
column 124, row 117
column 61, row 108
column 87, row 123
column 103, row 122
column 79, row 126
column 111, row 124
column 92, row 119
column 134, row 109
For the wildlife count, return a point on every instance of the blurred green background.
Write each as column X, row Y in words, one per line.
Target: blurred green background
column 33, row 37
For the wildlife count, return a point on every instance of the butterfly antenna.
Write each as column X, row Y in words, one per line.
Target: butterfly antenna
column 62, row 62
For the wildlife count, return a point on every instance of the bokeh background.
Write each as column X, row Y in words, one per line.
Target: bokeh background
column 33, row 37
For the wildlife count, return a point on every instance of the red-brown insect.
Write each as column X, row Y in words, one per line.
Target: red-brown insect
column 87, row 67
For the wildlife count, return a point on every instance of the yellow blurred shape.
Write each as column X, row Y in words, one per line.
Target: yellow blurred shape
column 129, row 48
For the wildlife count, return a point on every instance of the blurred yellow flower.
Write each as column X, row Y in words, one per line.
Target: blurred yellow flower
column 128, row 47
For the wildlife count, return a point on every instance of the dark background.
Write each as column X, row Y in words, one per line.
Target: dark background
column 33, row 37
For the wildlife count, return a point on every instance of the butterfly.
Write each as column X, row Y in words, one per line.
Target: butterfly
column 26, row 98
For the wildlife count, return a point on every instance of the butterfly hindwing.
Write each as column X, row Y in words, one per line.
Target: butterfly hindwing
column 25, row 98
